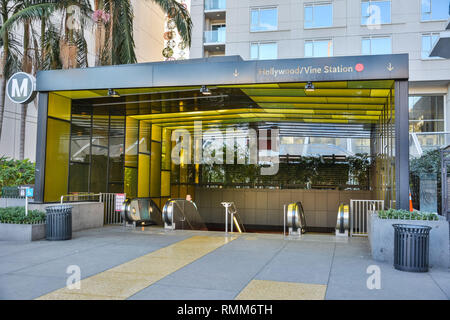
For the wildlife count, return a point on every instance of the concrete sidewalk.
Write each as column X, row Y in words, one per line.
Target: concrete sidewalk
column 247, row 266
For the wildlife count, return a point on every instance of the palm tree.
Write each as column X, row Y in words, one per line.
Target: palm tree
column 58, row 48
column 114, row 32
column 10, row 60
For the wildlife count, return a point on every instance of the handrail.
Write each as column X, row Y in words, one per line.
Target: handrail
column 81, row 195
column 182, row 213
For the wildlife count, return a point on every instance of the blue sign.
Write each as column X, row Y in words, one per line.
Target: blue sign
column 30, row 192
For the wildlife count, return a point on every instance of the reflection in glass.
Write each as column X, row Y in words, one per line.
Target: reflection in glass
column 100, row 124
column 264, row 51
column 318, row 15
column 264, row 19
column 318, row 48
column 375, row 12
column 130, row 183
column 428, row 42
column 79, row 177
column 435, row 10
column 99, row 169
column 131, row 142
column 376, row 45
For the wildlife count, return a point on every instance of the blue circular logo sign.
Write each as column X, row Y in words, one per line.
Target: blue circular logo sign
column 21, row 88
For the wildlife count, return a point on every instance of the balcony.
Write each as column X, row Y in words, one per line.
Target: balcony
column 215, row 9
column 214, row 40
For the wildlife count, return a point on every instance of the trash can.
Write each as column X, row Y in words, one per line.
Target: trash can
column 411, row 247
column 59, row 223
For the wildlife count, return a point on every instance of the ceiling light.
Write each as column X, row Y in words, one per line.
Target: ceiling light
column 205, row 91
column 113, row 93
column 309, row 87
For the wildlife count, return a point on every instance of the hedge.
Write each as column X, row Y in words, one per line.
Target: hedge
column 16, row 215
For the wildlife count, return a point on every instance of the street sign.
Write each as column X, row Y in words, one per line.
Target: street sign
column 21, row 88
column 120, row 199
column 30, row 192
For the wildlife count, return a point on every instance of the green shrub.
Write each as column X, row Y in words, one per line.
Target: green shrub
column 406, row 215
column 16, row 172
column 16, row 215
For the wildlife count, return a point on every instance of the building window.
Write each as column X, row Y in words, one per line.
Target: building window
column 427, row 120
column 264, row 51
column 428, row 42
column 319, row 48
column 318, row 15
column 426, row 114
column 435, row 10
column 376, row 45
column 375, row 12
column 264, row 19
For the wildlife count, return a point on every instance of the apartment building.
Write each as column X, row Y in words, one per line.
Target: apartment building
column 279, row 29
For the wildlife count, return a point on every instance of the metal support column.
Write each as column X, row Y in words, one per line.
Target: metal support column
column 401, row 145
column 41, row 147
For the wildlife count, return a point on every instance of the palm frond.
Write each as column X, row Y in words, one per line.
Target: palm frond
column 181, row 16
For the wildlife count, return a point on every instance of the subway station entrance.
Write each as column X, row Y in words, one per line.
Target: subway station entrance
column 261, row 134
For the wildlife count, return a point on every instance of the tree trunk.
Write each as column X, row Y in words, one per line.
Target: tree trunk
column 4, row 80
column 26, row 67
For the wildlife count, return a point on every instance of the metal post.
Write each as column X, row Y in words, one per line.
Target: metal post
column 401, row 145
column 226, row 220
column 41, row 147
column 232, row 221
column 26, row 202
column 284, row 221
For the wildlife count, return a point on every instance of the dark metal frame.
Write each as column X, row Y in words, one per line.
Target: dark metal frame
column 234, row 70
column 445, row 161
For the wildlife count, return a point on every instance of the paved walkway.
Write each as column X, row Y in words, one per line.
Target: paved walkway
column 151, row 264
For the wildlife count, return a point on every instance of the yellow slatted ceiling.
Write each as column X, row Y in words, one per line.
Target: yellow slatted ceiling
column 330, row 102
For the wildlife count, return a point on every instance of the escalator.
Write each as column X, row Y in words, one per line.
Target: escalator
column 142, row 211
column 295, row 218
column 182, row 214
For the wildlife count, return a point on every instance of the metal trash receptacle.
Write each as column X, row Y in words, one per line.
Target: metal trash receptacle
column 411, row 247
column 59, row 223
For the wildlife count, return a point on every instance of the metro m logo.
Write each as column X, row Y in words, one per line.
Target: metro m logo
column 17, row 92
column 21, row 88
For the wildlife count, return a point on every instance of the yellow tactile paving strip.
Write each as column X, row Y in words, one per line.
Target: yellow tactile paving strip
column 131, row 277
column 274, row 290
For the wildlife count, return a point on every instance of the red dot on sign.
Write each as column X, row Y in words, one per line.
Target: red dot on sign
column 359, row 67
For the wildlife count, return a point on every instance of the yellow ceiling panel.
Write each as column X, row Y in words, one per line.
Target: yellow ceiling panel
column 82, row 94
column 290, row 99
column 275, row 92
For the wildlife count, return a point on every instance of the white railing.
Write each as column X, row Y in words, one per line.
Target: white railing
column 359, row 215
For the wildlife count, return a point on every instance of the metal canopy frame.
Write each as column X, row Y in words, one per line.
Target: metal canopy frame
column 233, row 70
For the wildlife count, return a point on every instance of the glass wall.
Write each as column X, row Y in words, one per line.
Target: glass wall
column 96, row 150
column 427, row 136
column 58, row 137
column 383, row 148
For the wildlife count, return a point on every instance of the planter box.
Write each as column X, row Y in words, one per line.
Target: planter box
column 381, row 239
column 22, row 232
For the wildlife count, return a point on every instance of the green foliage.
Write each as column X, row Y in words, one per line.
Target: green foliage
column 303, row 172
column 16, row 172
column 16, row 215
column 406, row 215
column 429, row 162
